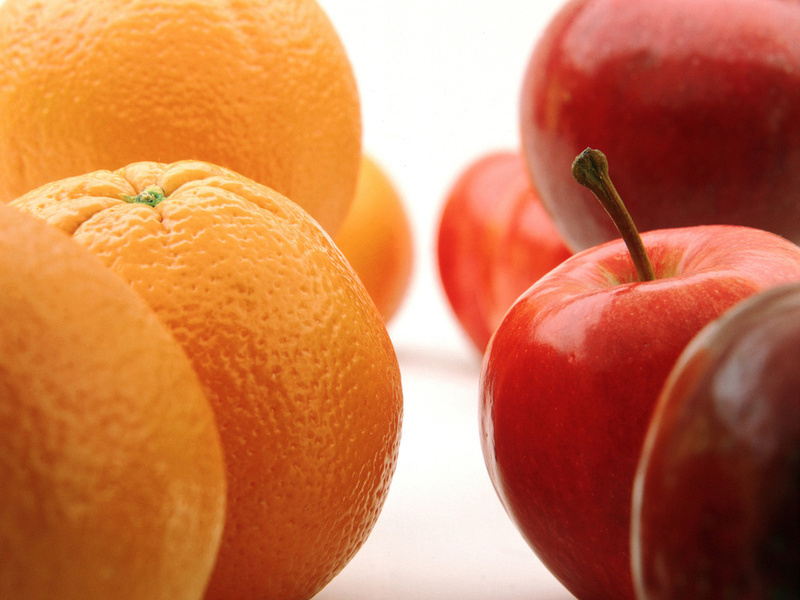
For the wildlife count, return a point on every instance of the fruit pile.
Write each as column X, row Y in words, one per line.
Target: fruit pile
column 199, row 397
column 640, row 400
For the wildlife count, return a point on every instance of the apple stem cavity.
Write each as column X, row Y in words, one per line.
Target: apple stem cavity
column 590, row 169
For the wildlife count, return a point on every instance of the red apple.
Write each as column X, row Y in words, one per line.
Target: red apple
column 573, row 371
column 716, row 507
column 695, row 103
column 494, row 240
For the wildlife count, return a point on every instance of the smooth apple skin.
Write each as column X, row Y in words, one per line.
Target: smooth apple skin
column 695, row 103
column 494, row 240
column 716, row 507
column 572, row 374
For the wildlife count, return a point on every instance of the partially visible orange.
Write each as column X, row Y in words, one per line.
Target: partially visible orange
column 291, row 351
column 263, row 87
column 376, row 238
column 112, row 484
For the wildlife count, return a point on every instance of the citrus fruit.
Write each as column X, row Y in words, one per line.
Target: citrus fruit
column 376, row 238
column 113, row 484
column 291, row 351
column 263, row 87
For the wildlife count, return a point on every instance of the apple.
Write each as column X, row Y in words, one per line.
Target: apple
column 494, row 240
column 572, row 374
column 695, row 103
column 716, row 506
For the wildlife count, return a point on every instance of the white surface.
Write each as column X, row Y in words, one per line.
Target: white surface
column 439, row 83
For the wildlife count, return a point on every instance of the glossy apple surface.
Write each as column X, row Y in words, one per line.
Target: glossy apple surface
column 695, row 103
column 494, row 240
column 716, row 507
column 573, row 372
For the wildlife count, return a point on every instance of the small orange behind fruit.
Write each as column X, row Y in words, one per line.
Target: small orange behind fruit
column 263, row 87
column 291, row 351
column 376, row 238
column 112, row 485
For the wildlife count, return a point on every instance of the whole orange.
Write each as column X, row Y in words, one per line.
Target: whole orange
column 111, row 470
column 263, row 87
column 376, row 238
column 292, row 353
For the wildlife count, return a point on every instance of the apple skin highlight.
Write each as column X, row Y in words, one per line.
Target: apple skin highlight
column 572, row 374
column 696, row 104
column 717, row 488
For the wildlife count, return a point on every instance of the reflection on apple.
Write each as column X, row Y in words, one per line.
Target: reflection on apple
column 695, row 103
column 573, row 371
column 716, row 506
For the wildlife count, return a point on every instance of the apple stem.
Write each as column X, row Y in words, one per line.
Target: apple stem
column 590, row 169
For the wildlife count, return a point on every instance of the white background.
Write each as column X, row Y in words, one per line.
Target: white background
column 439, row 83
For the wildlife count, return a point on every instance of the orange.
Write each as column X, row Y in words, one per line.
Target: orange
column 263, row 87
column 291, row 351
column 113, row 484
column 376, row 238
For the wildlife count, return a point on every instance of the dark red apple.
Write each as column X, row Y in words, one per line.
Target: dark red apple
column 696, row 103
column 716, row 506
column 494, row 240
column 573, row 371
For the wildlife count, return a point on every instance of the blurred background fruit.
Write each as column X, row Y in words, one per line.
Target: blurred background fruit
column 290, row 349
column 113, row 485
column 376, row 238
column 494, row 241
column 263, row 87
